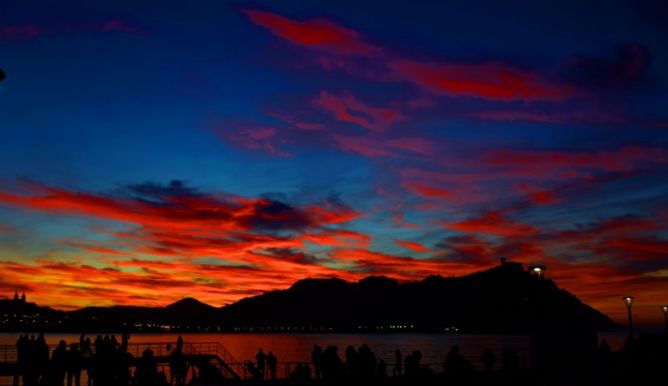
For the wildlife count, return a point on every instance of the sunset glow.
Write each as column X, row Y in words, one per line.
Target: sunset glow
column 222, row 152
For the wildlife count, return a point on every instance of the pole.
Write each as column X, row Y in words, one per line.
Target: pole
column 630, row 321
column 665, row 318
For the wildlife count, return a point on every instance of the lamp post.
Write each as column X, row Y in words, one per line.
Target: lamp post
column 628, row 300
column 665, row 316
column 536, row 313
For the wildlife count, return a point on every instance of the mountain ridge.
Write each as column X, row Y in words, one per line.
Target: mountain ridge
column 504, row 299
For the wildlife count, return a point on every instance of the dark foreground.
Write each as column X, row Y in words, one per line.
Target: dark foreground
column 107, row 362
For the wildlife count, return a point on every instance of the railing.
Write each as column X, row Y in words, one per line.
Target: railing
column 225, row 361
column 213, row 348
column 8, row 353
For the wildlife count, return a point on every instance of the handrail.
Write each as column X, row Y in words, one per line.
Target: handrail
column 8, row 353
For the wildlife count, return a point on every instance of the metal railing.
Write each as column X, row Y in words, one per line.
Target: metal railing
column 9, row 354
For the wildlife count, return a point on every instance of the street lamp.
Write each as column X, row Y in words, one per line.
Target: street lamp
column 536, row 314
column 665, row 316
column 537, row 271
column 628, row 300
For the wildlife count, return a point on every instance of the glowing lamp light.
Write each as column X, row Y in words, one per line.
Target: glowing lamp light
column 664, row 309
column 537, row 270
column 628, row 300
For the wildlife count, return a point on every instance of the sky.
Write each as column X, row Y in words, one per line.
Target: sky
column 156, row 150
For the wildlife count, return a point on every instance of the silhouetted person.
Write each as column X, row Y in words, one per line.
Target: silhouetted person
column 271, row 365
column 412, row 364
column 177, row 365
column 86, row 348
column 98, row 344
column 125, row 340
column 208, row 373
column 456, row 365
column 488, row 360
column 332, row 367
column 34, row 364
column 57, row 365
column 381, row 369
column 398, row 363
column 73, row 365
column 316, row 359
column 21, row 351
column 146, row 373
column 261, row 359
column 3, row 76
column 366, row 363
column 302, row 374
column 251, row 369
column 351, row 362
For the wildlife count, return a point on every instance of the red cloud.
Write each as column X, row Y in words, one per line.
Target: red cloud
column 255, row 137
column 491, row 80
column 488, row 81
column 19, row 32
column 537, row 195
column 314, row 33
column 296, row 123
column 413, row 246
column 623, row 159
column 492, row 223
column 374, row 147
column 427, row 191
column 31, row 31
column 372, row 118
column 184, row 212
column 367, row 262
column 119, row 26
column 552, row 117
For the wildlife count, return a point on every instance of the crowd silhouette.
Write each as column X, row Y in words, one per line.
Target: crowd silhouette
column 108, row 362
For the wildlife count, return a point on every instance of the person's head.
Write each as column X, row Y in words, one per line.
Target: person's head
column 147, row 354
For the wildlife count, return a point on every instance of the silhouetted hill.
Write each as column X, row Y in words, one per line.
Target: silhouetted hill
column 505, row 299
column 190, row 306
